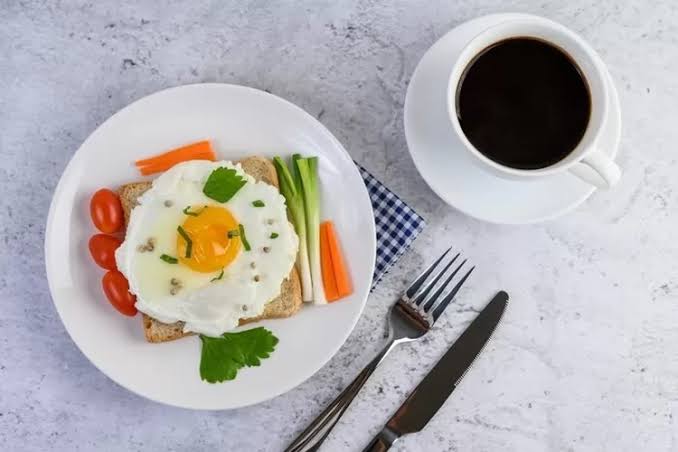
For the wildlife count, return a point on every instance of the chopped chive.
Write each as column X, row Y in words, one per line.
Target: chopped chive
column 187, row 211
column 258, row 203
column 169, row 259
column 221, row 275
column 243, row 239
column 274, row 235
column 189, row 242
column 233, row 233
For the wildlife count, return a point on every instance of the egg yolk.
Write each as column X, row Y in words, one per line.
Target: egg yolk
column 212, row 249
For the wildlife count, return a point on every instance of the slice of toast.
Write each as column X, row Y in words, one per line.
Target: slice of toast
column 286, row 304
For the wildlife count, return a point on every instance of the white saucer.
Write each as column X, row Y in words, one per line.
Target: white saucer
column 443, row 163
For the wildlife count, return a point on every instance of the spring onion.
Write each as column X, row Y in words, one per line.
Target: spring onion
column 243, row 238
column 308, row 173
column 169, row 259
column 221, row 275
column 291, row 189
column 189, row 242
column 187, row 211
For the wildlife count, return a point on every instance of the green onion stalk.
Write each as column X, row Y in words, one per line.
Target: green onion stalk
column 291, row 189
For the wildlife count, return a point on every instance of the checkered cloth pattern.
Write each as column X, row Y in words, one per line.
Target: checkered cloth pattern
column 396, row 223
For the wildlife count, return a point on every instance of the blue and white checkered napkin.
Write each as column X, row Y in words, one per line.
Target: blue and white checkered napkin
column 396, row 223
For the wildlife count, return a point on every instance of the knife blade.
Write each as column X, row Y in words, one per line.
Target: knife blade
column 423, row 403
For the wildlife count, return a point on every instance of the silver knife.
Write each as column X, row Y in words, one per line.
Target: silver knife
column 423, row 403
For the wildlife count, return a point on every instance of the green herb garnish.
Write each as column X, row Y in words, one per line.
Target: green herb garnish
column 292, row 190
column 233, row 233
column 221, row 275
column 258, row 203
column 169, row 259
column 274, row 235
column 307, row 169
column 243, row 238
column 223, row 356
column 189, row 242
column 193, row 214
column 223, row 184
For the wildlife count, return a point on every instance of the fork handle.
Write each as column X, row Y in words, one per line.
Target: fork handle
column 314, row 435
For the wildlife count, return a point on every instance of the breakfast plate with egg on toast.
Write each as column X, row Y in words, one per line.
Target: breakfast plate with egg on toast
column 210, row 246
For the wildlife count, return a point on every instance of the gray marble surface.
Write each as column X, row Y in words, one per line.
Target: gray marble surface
column 587, row 358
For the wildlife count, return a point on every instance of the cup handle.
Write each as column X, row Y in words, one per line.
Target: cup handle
column 597, row 169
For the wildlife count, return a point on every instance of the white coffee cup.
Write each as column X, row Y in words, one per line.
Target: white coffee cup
column 586, row 160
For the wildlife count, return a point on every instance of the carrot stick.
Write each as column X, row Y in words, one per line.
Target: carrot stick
column 341, row 276
column 164, row 166
column 329, row 283
column 163, row 163
column 188, row 149
column 201, row 150
column 176, row 159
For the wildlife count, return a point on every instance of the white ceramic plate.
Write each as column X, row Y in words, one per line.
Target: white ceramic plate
column 240, row 121
column 444, row 164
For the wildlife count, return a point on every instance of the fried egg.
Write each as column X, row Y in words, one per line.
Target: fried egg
column 218, row 280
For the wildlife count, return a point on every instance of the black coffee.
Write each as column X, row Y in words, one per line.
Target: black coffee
column 523, row 103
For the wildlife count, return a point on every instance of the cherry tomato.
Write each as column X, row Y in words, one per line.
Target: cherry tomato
column 116, row 289
column 106, row 211
column 102, row 247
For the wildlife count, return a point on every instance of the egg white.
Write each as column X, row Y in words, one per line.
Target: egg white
column 206, row 306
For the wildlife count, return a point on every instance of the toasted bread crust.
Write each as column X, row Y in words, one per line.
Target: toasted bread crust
column 286, row 304
column 261, row 169
column 129, row 193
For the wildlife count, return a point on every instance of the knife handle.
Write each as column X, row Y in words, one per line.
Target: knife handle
column 383, row 441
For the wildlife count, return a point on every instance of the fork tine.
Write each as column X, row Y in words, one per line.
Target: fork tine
column 448, row 298
column 409, row 293
column 431, row 301
column 421, row 295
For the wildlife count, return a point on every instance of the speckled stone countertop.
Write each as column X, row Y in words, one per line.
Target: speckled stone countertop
column 587, row 357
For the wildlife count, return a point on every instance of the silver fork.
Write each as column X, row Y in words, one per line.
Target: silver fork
column 412, row 316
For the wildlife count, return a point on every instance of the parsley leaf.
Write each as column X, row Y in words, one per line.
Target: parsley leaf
column 274, row 235
column 223, row 184
column 258, row 203
column 223, row 356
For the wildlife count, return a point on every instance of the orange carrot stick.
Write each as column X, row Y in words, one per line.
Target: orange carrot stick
column 341, row 276
column 164, row 166
column 202, row 150
column 176, row 159
column 329, row 283
column 192, row 148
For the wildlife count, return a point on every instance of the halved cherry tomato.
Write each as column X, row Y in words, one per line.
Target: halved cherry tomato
column 106, row 211
column 102, row 247
column 116, row 289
